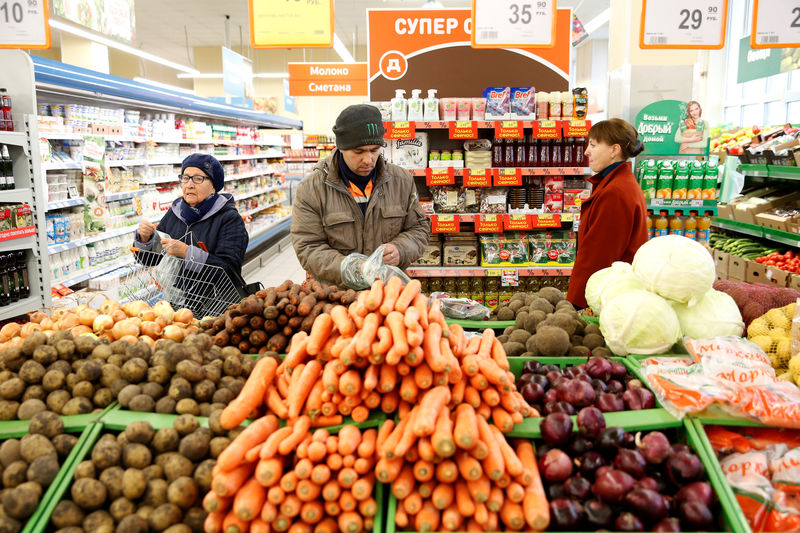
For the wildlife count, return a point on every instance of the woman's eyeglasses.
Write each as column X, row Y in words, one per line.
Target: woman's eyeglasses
column 184, row 178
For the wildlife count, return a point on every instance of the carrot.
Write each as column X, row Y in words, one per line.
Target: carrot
column 362, row 488
column 330, row 375
column 213, row 522
column 464, row 501
column 408, row 437
column 312, row 512
column 401, row 518
column 234, row 524
column 328, row 525
column 249, row 500
column 269, row 512
column 372, row 400
column 367, row 333
column 472, row 396
column 268, row 471
column 446, row 471
column 480, row 451
column 327, row 420
column 384, row 340
column 253, row 453
column 499, row 355
column 297, row 352
column 342, row 321
column 407, row 296
column 383, row 433
column 534, row 505
column 270, row 447
column 303, row 469
column 394, row 321
column 427, row 518
column 331, row 491
column 349, row 439
column 320, row 331
column 320, row 474
column 515, row 492
column 291, row 506
column 350, row 522
column 308, row 490
column 416, row 336
column 472, row 346
column 387, row 470
column 491, row 397
column 299, row 431
column 275, row 495
column 457, row 338
column 276, row 403
column 213, row 502
column 484, row 410
column 482, row 514
column 426, row 450
column 451, row 518
column 442, row 437
column 495, row 501
column 316, row 451
column 493, row 465
column 368, row 508
column 512, row 462
column 346, row 477
column 420, row 301
column 332, row 508
column 366, row 448
column 504, row 481
column 334, row 462
column 412, row 455
column 254, row 434
column 227, row 483
column 314, row 400
column 465, row 430
column 502, row 419
column 350, row 383
column 363, row 465
column 347, row 502
column 512, row 515
column 300, row 527
column 479, row 488
column 360, row 414
column 468, row 466
column 443, row 495
column 487, row 339
column 251, row 395
column 423, row 471
column 432, row 403
column 301, row 389
column 413, row 503
column 423, row 376
column 431, row 345
column 374, row 296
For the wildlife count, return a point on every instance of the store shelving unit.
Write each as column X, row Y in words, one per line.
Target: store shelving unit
column 471, row 271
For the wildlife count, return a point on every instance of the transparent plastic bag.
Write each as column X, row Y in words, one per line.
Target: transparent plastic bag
column 352, row 271
column 461, row 308
column 359, row 271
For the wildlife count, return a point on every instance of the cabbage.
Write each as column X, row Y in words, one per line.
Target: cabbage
column 639, row 322
column 675, row 268
column 715, row 315
column 605, row 284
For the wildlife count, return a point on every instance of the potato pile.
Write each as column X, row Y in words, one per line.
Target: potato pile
column 29, row 465
column 143, row 479
column 72, row 376
column 266, row 321
column 548, row 325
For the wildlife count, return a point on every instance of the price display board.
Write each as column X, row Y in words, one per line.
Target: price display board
column 513, row 23
column 24, row 24
column 690, row 24
column 291, row 23
column 776, row 24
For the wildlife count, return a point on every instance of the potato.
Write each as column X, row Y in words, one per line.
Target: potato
column 32, row 372
column 98, row 522
column 77, row 406
column 156, row 492
column 145, row 511
column 154, row 390
column 185, row 424
column 223, row 395
column 9, row 452
column 159, row 358
column 117, row 387
column 187, row 406
column 56, row 400
column 218, row 444
column 110, row 373
column 65, row 350
column 33, row 341
column 12, row 389
column 15, row 474
column 153, row 472
column 135, row 370
column 136, row 455
column 34, row 392
column 112, row 479
column 47, row 424
column 116, row 359
column 84, row 389
column 212, row 372
column 236, row 386
column 43, row 470
column 9, row 525
column 67, row 514
column 90, row 494
column 102, row 398
column 133, row 523
column 60, row 335
column 194, row 447
column 179, row 389
column 140, row 432
column 119, row 347
column 8, row 410
column 178, row 528
column 34, row 446
column 21, row 502
column 176, row 466
column 72, row 380
column 84, row 344
column 128, row 393
column 140, row 350
column 53, row 380
column 166, row 440
column 158, row 374
column 190, row 371
column 202, row 474
column 166, row 405
column 164, row 516
column 133, row 483
column 85, row 469
column 232, row 366
column 142, row 403
column 183, row 492
column 64, row 443
column 106, row 453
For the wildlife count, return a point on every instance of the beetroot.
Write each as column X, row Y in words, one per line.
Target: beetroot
column 637, row 399
column 591, row 421
column 608, row 402
column 564, row 407
column 648, row 483
column 553, row 375
column 678, row 448
column 533, row 393
column 599, row 368
column 589, row 462
column 628, row 522
column 565, row 514
column 615, row 386
column 699, row 491
column 630, row 461
column 598, row 514
column 541, row 380
column 599, row 386
column 684, row 467
column 668, row 524
column 601, row 470
column 530, row 367
column 612, row 485
column 556, row 429
column 695, row 516
column 555, row 491
column 618, row 370
column 579, row 446
column 555, row 466
column 550, row 396
column 610, row 440
column 585, row 377
column 577, row 488
column 646, row 504
column 576, row 392
column 654, row 447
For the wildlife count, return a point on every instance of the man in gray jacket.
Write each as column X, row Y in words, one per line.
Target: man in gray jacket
column 354, row 201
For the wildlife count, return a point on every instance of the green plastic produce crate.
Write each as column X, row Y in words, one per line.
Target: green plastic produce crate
column 644, row 419
column 11, row 429
column 481, row 324
column 686, row 433
column 636, row 359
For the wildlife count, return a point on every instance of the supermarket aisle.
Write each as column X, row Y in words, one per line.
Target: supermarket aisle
column 283, row 265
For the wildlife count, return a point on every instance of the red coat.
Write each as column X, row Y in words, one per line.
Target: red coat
column 613, row 226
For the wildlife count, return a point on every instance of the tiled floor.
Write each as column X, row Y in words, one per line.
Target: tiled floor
column 283, row 265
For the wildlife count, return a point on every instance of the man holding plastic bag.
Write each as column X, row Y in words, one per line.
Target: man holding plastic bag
column 354, row 203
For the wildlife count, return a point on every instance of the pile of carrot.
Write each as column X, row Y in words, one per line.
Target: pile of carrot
column 294, row 479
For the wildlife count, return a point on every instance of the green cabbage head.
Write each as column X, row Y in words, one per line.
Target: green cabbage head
column 675, row 268
column 715, row 315
column 605, row 284
column 639, row 322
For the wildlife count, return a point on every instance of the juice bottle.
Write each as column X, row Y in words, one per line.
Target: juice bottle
column 661, row 225
column 690, row 226
column 695, row 189
column 492, row 293
column 649, row 179
column 704, row 228
column 478, row 292
column 710, row 183
column 676, row 223
column 665, row 178
column 650, row 228
column 681, row 181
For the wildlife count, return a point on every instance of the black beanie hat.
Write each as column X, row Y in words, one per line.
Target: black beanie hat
column 359, row 125
column 209, row 165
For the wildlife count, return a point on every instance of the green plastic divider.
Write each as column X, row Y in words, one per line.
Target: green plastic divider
column 636, row 360
column 715, row 416
column 119, row 419
column 40, row 518
column 12, row 429
column 481, row 324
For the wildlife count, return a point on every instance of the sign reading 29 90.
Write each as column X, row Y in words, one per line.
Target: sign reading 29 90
column 23, row 24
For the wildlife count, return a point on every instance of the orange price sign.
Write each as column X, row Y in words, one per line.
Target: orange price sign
column 518, row 222
column 399, row 130
column 546, row 129
column 507, row 177
column 440, row 176
column 546, row 221
column 463, row 129
column 509, row 129
column 488, row 224
column 478, row 177
column 445, row 224
column 576, row 128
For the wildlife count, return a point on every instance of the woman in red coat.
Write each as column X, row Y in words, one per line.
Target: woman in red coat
column 614, row 219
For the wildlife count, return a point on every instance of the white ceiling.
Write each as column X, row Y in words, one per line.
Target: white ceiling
column 166, row 28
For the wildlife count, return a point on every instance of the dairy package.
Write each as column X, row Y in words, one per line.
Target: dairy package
column 411, row 153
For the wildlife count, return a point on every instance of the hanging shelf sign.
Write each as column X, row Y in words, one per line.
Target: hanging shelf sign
column 24, row 24
column 776, row 24
column 514, row 23
column 688, row 24
column 282, row 24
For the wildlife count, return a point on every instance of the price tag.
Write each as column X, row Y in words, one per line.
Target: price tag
column 507, row 177
column 546, row 129
column 510, row 278
column 776, row 24
column 488, row 224
column 493, row 272
column 24, row 24
column 683, row 24
column 509, row 129
column 440, row 176
column 576, row 128
column 546, row 221
column 399, row 130
column 463, row 129
column 518, row 222
column 282, row 24
column 445, row 224
column 513, row 23
column 576, row 222
column 478, row 177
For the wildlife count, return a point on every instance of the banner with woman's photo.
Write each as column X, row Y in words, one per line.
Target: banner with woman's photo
column 673, row 127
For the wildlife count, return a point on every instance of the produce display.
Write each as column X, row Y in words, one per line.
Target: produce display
column 143, row 479
column 267, row 320
column 29, row 466
column 741, row 247
column 756, row 300
column 604, row 478
column 772, row 333
column 600, row 382
column 784, row 261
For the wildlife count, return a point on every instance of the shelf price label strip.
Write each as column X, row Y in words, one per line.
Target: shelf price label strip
column 445, row 224
column 576, row 128
column 463, row 129
column 488, row 224
column 509, row 129
column 507, row 177
column 547, row 129
column 478, row 177
column 440, row 176
column 399, row 130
